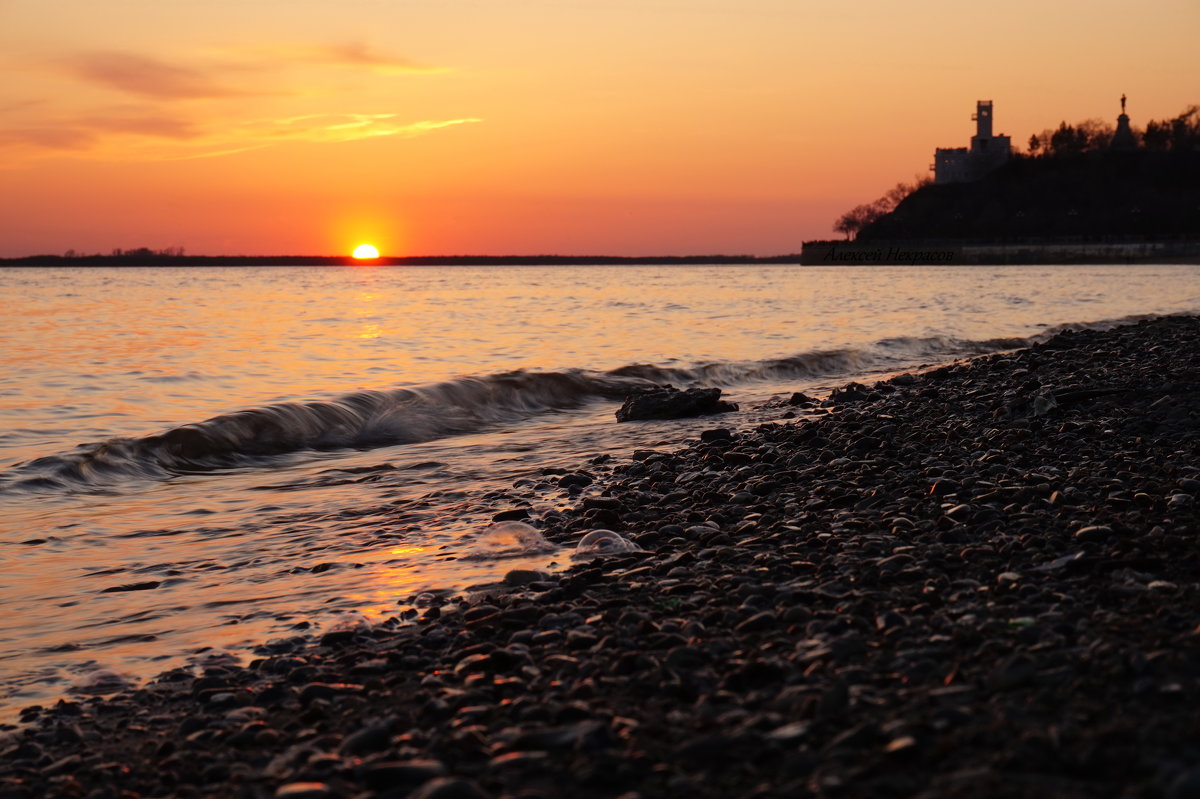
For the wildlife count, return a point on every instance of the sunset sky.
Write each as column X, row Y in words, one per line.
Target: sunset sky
column 529, row 126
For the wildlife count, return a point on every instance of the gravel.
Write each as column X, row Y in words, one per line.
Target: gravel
column 979, row 580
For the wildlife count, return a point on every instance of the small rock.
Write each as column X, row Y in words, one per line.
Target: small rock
column 603, row 503
column 671, row 403
column 789, row 733
column 1096, row 532
column 304, row 790
column 902, row 745
column 582, row 735
column 518, row 577
column 401, row 774
column 759, row 621
column 449, row 788
column 943, row 487
column 69, row 763
column 320, row 690
column 1014, row 672
column 851, row 392
column 959, row 513
column 146, row 586
column 372, row 738
column 575, row 480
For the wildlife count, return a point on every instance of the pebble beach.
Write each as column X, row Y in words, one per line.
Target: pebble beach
column 976, row 580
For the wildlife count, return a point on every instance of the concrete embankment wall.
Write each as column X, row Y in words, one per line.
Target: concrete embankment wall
column 951, row 253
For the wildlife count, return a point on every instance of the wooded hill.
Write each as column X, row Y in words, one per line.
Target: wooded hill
column 1140, row 194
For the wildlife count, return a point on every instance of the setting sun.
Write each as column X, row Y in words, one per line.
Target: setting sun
column 366, row 251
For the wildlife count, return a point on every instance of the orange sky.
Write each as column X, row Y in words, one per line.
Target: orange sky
column 531, row 126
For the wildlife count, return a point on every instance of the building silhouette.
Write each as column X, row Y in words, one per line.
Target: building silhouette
column 961, row 164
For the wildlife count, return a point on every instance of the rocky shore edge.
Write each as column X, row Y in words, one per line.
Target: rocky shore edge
column 981, row 580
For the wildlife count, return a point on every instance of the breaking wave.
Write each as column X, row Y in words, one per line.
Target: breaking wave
column 368, row 419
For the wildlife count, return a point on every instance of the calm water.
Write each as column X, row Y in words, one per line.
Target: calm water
column 319, row 446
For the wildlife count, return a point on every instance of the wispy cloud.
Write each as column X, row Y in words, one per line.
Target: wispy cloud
column 347, row 127
column 313, row 129
column 145, row 136
column 359, row 54
column 247, row 96
column 317, row 129
column 147, row 77
column 85, row 132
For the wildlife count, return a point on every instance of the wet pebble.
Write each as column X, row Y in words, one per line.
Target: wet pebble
column 305, row 790
column 450, row 788
column 934, row 587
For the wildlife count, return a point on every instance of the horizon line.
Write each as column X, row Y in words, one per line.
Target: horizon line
column 148, row 258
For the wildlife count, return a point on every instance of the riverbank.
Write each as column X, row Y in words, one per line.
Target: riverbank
column 977, row 581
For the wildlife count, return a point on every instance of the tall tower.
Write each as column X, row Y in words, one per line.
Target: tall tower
column 956, row 164
column 987, row 151
column 1123, row 139
column 983, row 119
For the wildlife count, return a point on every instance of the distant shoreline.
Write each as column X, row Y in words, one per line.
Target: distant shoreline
column 927, row 252
column 411, row 260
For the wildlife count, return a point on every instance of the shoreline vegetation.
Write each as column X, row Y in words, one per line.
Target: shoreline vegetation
column 978, row 580
column 1084, row 193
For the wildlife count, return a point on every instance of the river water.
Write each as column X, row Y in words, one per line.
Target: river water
column 197, row 460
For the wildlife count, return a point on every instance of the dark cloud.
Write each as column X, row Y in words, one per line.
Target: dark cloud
column 144, row 124
column 21, row 107
column 49, row 138
column 147, row 77
column 97, row 131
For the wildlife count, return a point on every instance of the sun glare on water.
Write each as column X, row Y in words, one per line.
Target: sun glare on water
column 364, row 251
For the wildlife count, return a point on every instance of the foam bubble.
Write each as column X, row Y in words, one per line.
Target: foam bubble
column 214, row 656
column 350, row 623
column 602, row 542
column 431, row 598
column 510, row 539
column 101, row 681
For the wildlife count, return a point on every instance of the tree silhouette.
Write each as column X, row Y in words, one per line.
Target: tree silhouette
column 856, row 219
column 860, row 216
column 1089, row 136
column 1179, row 134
